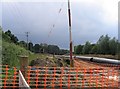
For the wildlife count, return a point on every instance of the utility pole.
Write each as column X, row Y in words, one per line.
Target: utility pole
column 69, row 15
column 27, row 35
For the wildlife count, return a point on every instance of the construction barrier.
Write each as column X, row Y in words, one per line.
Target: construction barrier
column 9, row 77
column 72, row 78
column 60, row 77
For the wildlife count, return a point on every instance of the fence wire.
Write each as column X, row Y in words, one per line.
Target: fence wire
column 62, row 77
column 72, row 78
column 9, row 77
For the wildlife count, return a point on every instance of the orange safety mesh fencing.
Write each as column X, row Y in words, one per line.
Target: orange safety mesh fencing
column 62, row 77
column 9, row 77
column 72, row 78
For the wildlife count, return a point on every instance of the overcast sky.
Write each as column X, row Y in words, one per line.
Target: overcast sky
column 90, row 20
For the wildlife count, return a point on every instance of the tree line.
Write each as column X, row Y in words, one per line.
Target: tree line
column 36, row 48
column 45, row 48
column 105, row 45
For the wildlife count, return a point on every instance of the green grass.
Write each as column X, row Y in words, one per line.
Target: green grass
column 11, row 53
column 38, row 56
column 35, row 56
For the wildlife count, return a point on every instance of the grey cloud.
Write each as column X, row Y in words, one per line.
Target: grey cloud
column 38, row 19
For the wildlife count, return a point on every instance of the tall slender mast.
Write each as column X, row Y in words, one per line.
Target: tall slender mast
column 69, row 15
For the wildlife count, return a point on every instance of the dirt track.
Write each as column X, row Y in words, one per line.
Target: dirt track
column 107, row 74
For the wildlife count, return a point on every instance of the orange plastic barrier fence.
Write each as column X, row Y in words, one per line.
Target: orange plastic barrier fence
column 72, row 78
column 9, row 77
column 106, row 76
